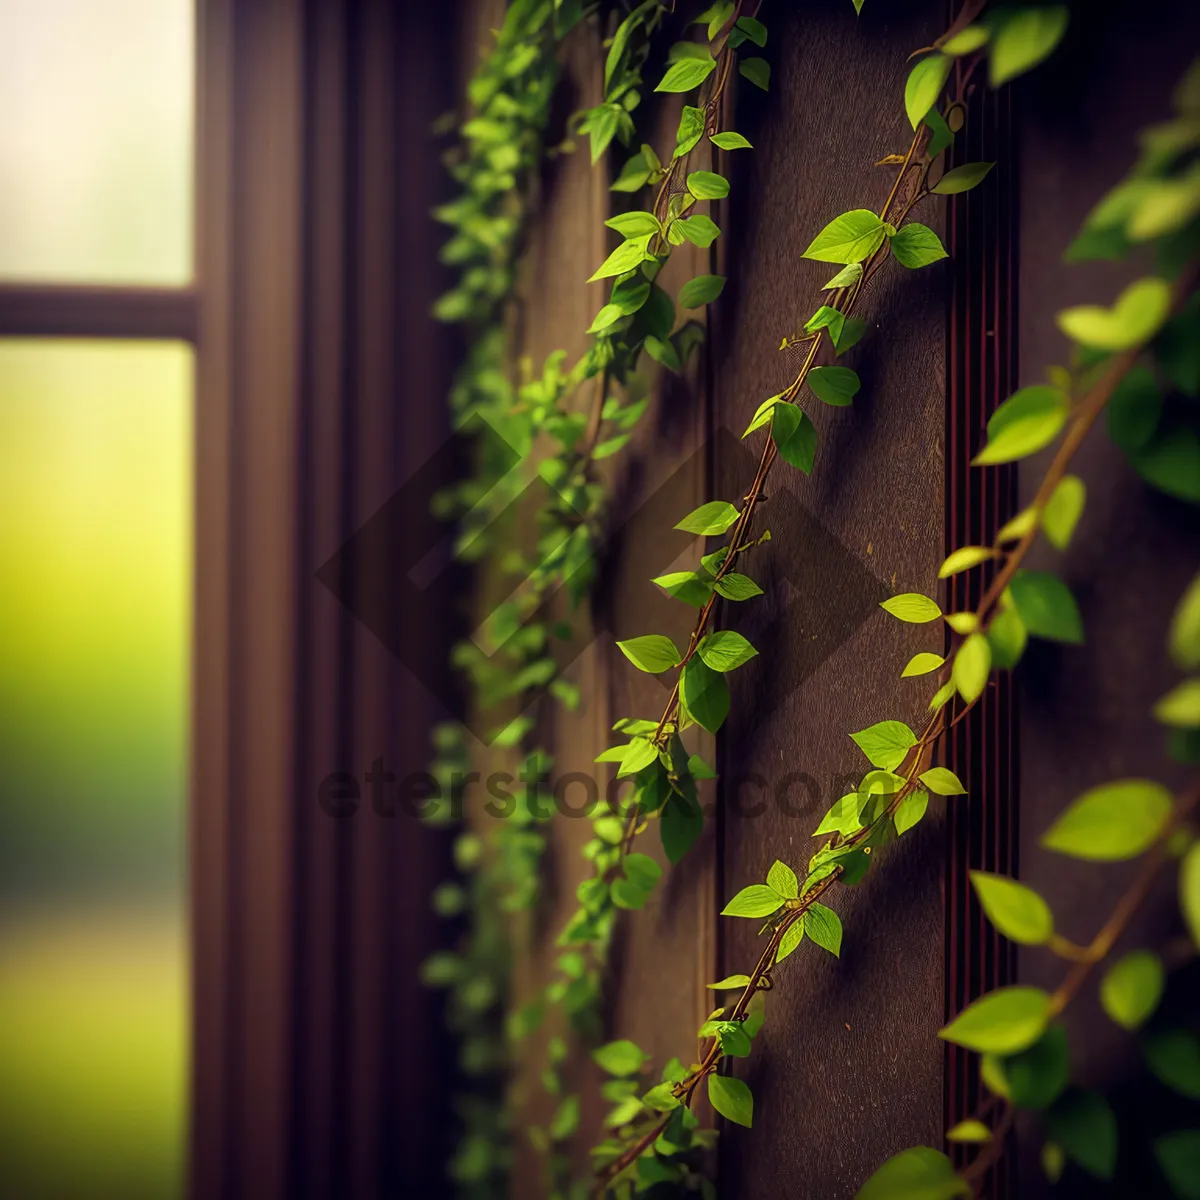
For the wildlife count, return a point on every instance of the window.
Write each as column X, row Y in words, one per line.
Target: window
column 96, row 399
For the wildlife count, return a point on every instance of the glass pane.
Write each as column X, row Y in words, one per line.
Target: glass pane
column 96, row 141
column 95, row 616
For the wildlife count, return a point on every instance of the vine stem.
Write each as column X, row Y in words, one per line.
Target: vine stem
column 737, row 541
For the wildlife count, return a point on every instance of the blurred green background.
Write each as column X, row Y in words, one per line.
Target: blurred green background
column 96, row 181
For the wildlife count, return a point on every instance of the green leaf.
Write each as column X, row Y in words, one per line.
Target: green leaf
column 730, row 141
column 1174, row 1057
column 687, row 586
column 755, row 30
column 762, row 414
column 846, row 277
column 1025, row 37
column 680, row 825
column 847, row 335
column 634, row 175
column 825, row 318
column 1135, row 317
column 1132, row 987
column 969, row 1131
column 824, row 927
column 757, row 900
column 1036, row 1077
column 607, row 316
column 886, row 744
column 940, row 131
column 725, row 650
column 1189, row 890
column 1063, row 510
column 850, row 238
column 699, row 768
column 795, row 436
column 843, row 817
column 732, row 1099
column 628, row 895
column 1180, row 707
column 709, row 519
column 1046, row 607
column 1015, row 910
column 652, row 653
column 706, row 695
column 702, row 290
column 691, row 129
column 662, row 351
column 730, row 981
column 701, row 231
column 1028, row 420
column 1184, row 641
column 922, row 664
column 640, row 753
column 782, row 879
column 1178, row 1157
column 1111, row 823
column 835, row 385
column 661, row 1098
column 737, row 587
column 962, row 179
column 911, row 809
column 792, row 937
column 964, row 559
column 634, row 224
column 565, row 1120
column 1171, row 463
column 916, row 245
column 1178, row 348
column 733, row 1038
column 757, row 70
column 686, row 74
column 916, row 1174
column 642, row 870
column 972, row 664
column 1084, row 1126
column 924, row 86
column 707, row 185
column 966, row 41
column 1002, row 1022
column 962, row 622
column 619, row 42
column 624, row 258
column 943, row 781
column 1133, row 413
column 912, row 607
column 620, row 1058
column 630, row 294
column 1018, row 527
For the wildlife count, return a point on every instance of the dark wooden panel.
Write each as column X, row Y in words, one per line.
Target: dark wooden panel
column 981, row 832
column 1085, row 713
column 847, row 1069
column 322, row 389
column 27, row 310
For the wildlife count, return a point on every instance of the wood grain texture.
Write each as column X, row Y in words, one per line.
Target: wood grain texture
column 847, row 1070
column 1085, row 714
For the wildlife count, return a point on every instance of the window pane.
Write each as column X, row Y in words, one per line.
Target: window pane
column 96, row 141
column 96, row 541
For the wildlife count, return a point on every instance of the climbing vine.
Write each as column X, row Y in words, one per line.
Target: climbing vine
column 587, row 412
column 516, row 664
